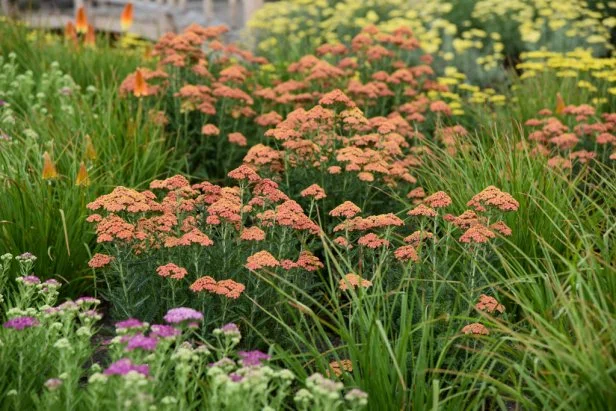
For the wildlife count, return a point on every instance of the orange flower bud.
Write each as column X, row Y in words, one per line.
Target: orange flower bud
column 81, row 20
column 49, row 168
column 560, row 104
column 83, row 179
column 90, row 38
column 126, row 20
column 141, row 87
column 90, row 149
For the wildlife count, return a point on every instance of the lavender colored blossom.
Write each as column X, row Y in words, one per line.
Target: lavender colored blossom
column 253, row 358
column 230, row 328
column 181, row 314
column 68, row 306
column 52, row 283
column 91, row 314
column 140, row 341
column 236, row 377
column 129, row 324
column 124, row 366
column 29, row 280
column 2, row 103
column 19, row 323
column 164, row 331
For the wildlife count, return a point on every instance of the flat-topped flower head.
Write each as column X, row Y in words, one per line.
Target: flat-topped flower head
column 340, row 367
column 475, row 328
column 29, row 280
column 253, row 358
column 141, row 342
column 125, row 366
column 418, row 237
column 171, row 270
column 253, row 233
column 489, row 304
column 352, row 281
column 182, row 314
column 439, row 199
column 346, row 209
column 315, row 191
column 406, row 253
column 260, row 260
column 422, row 210
column 20, row 323
column 337, row 97
column 210, row 130
column 244, row 172
column 228, row 288
column 501, row 228
column 371, row 240
column 129, row 325
column 164, row 331
column 477, row 234
column 493, row 197
column 100, row 260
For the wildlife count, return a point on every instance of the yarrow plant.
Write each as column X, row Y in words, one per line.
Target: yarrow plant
column 200, row 243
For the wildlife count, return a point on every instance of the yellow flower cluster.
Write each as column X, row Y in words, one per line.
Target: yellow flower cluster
column 471, row 35
column 593, row 75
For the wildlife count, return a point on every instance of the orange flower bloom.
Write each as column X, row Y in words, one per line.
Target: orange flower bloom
column 492, row 196
column 314, row 191
column 100, row 260
column 49, row 168
column 439, row 199
column 352, row 281
column 126, row 20
column 90, row 37
column 371, row 240
column 346, row 209
column 244, row 172
column 141, row 87
column 475, row 328
column 489, row 304
column 477, row 234
column 418, row 237
column 83, row 179
column 422, row 210
column 237, row 139
column 406, row 253
column 227, row 288
column 210, row 130
column 340, row 367
column 253, row 233
column 70, row 33
column 81, row 20
column 172, row 270
column 261, row 259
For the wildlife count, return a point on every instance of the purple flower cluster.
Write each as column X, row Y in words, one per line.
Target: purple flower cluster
column 253, row 358
column 142, row 342
column 129, row 324
column 19, row 323
column 29, row 280
column 181, row 314
column 164, row 331
column 29, row 257
column 124, row 366
column 87, row 301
